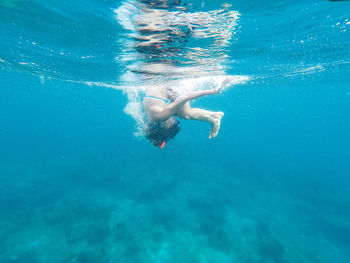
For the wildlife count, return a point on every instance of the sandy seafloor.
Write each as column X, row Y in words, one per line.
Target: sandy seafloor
column 77, row 186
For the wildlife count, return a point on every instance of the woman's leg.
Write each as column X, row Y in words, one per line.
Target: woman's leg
column 214, row 118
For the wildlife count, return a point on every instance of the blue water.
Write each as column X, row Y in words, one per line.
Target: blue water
column 78, row 186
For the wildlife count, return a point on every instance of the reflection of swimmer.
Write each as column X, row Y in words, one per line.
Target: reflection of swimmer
column 162, row 32
column 161, row 110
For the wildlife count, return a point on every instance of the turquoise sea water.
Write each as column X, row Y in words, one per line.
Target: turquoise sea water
column 78, row 186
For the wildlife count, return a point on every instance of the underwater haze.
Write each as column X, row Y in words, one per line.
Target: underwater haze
column 80, row 184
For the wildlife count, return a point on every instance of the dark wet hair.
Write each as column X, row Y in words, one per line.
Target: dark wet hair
column 156, row 134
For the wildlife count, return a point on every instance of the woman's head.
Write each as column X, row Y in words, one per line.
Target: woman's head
column 160, row 133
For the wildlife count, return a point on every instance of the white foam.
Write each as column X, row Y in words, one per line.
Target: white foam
column 102, row 84
column 188, row 85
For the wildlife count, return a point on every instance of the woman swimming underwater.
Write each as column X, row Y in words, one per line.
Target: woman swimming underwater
column 170, row 69
column 161, row 111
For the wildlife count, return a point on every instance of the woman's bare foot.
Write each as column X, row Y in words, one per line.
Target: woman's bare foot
column 215, row 124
